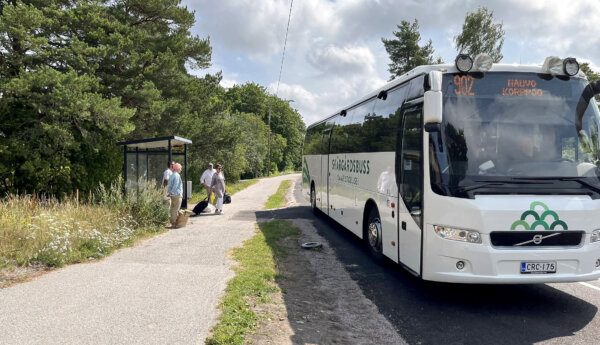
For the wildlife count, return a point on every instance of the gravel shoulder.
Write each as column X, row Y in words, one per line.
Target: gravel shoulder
column 320, row 303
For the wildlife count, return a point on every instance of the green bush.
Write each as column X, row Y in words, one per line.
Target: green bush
column 145, row 203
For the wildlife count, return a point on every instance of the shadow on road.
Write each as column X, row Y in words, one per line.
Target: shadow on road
column 439, row 313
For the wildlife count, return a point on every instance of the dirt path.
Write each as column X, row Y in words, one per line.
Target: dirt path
column 321, row 304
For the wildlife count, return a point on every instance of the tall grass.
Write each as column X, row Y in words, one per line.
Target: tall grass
column 55, row 233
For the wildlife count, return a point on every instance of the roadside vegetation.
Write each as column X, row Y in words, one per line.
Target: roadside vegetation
column 278, row 199
column 44, row 230
column 256, row 274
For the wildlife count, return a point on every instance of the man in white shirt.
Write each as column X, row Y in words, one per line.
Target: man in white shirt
column 167, row 174
column 165, row 180
column 206, row 179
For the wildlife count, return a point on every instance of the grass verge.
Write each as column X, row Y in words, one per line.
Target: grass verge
column 278, row 199
column 232, row 188
column 254, row 281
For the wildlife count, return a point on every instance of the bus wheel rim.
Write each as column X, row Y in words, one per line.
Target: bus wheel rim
column 374, row 234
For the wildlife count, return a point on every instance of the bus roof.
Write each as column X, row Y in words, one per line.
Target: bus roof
column 444, row 68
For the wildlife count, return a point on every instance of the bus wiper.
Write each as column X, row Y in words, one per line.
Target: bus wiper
column 478, row 186
column 582, row 182
column 487, row 183
column 579, row 179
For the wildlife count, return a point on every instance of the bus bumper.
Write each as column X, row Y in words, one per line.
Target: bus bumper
column 484, row 264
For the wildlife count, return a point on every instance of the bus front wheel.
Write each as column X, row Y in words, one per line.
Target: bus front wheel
column 373, row 236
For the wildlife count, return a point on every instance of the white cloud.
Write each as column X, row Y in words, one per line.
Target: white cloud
column 342, row 60
column 250, row 27
column 334, row 52
column 228, row 83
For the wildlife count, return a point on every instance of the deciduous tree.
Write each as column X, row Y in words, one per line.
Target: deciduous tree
column 481, row 35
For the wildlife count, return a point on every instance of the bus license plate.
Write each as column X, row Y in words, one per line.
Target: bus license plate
column 538, row 267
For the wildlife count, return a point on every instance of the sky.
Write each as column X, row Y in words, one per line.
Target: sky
column 334, row 54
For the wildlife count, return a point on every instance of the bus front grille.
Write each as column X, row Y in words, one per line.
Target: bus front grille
column 528, row 239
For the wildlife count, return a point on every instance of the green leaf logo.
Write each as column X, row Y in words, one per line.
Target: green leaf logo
column 539, row 222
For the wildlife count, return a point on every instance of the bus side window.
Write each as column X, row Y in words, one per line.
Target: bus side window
column 380, row 127
column 339, row 137
column 355, row 129
column 411, row 158
column 313, row 140
column 325, row 145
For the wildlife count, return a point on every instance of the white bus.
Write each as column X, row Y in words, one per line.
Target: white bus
column 469, row 173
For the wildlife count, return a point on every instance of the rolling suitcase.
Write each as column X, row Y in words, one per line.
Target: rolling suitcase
column 200, row 206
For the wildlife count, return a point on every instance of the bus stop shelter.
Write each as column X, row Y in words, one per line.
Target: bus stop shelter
column 145, row 160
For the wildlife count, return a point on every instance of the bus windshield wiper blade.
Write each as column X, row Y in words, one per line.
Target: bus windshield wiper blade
column 478, row 186
column 579, row 179
column 486, row 183
column 515, row 180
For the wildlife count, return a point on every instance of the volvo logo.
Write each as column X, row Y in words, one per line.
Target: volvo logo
column 537, row 239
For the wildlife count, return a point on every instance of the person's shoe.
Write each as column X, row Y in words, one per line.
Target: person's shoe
column 221, row 212
column 217, row 212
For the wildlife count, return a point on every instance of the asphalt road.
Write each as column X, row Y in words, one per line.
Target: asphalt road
column 438, row 313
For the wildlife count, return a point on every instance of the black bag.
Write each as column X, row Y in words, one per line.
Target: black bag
column 200, row 206
column 227, row 199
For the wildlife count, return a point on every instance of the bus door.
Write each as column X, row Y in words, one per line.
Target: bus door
column 410, row 166
column 323, row 194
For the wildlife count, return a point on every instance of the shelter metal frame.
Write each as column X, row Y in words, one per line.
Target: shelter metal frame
column 156, row 146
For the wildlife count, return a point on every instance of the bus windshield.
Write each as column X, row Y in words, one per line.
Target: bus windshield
column 515, row 133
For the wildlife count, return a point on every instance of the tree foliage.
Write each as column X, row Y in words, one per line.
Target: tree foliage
column 77, row 76
column 481, row 35
column 404, row 49
column 589, row 73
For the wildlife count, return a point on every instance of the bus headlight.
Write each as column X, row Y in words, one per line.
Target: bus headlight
column 570, row 66
column 595, row 236
column 455, row 234
column 463, row 63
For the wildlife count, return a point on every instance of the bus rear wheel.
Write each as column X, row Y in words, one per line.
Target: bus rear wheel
column 373, row 238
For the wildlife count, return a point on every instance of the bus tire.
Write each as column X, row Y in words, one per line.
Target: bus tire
column 373, row 238
column 313, row 199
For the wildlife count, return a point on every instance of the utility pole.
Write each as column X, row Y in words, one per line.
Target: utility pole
column 269, row 143
column 288, row 101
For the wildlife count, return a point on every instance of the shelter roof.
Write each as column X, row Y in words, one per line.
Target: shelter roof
column 155, row 142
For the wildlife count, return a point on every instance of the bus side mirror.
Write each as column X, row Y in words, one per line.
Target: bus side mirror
column 432, row 110
column 588, row 93
column 595, row 87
